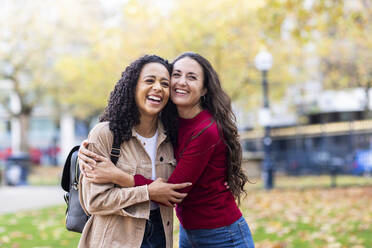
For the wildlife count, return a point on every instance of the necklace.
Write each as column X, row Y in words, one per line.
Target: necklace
column 144, row 140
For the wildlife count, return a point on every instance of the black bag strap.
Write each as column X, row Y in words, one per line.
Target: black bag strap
column 115, row 150
column 72, row 156
column 114, row 156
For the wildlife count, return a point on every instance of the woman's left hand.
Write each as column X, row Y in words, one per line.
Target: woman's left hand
column 103, row 171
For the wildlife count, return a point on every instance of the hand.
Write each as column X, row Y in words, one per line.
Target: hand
column 102, row 172
column 96, row 168
column 99, row 169
column 165, row 193
column 87, row 159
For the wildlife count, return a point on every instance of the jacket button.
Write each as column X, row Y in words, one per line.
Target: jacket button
column 161, row 159
column 168, row 223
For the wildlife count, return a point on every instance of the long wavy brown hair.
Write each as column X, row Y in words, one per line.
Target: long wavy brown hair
column 218, row 103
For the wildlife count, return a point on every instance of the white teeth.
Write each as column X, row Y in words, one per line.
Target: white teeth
column 181, row 91
column 155, row 98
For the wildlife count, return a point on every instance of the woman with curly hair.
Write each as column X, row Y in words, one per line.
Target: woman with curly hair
column 134, row 117
column 208, row 153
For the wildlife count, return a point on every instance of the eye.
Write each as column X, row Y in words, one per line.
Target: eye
column 149, row 80
column 192, row 77
column 176, row 74
column 165, row 84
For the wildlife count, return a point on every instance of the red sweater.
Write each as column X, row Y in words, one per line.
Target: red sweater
column 203, row 163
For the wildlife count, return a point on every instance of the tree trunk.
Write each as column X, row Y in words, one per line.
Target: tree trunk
column 367, row 112
column 25, row 126
column 20, row 128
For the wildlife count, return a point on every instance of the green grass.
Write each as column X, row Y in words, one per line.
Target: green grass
column 310, row 217
column 306, row 182
column 302, row 212
column 37, row 228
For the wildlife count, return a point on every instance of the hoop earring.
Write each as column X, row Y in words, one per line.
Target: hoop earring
column 203, row 99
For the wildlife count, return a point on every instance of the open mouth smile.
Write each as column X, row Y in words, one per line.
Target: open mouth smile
column 180, row 92
column 154, row 99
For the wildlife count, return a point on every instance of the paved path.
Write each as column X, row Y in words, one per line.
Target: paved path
column 13, row 199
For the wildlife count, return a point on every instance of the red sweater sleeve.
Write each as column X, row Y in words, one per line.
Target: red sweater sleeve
column 140, row 180
column 193, row 161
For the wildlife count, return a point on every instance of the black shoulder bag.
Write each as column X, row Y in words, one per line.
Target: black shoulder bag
column 75, row 215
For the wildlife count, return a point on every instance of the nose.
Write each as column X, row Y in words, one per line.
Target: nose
column 182, row 80
column 156, row 86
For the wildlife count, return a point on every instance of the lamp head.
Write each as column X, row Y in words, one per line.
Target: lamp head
column 264, row 61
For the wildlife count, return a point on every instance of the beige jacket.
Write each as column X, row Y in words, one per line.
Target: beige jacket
column 118, row 215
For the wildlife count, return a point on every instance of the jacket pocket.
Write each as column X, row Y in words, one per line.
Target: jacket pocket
column 129, row 168
column 165, row 168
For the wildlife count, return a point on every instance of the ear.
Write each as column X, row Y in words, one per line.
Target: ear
column 204, row 91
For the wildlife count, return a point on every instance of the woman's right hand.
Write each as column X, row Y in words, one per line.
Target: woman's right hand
column 95, row 168
column 165, row 193
column 98, row 169
column 87, row 159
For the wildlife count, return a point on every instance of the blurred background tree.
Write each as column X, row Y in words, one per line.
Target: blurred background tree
column 339, row 32
column 33, row 36
column 71, row 53
column 229, row 35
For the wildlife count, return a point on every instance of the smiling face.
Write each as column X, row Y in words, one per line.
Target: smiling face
column 152, row 91
column 187, row 86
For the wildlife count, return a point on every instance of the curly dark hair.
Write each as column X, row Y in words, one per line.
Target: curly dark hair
column 122, row 112
column 218, row 103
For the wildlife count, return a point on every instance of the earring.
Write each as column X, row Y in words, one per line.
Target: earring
column 203, row 99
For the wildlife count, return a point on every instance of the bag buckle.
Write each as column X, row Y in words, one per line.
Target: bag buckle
column 115, row 152
column 75, row 186
column 66, row 197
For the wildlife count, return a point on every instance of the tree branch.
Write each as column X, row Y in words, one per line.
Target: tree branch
column 5, row 104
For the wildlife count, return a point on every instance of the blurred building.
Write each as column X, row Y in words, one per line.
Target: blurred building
column 332, row 130
column 50, row 136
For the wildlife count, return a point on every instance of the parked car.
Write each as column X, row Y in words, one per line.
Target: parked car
column 362, row 163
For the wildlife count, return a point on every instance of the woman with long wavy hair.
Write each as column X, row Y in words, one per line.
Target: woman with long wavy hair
column 137, row 109
column 208, row 154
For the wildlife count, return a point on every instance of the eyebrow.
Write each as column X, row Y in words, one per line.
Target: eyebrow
column 153, row 77
column 193, row 73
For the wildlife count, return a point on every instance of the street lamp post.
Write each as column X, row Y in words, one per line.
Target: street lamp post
column 263, row 62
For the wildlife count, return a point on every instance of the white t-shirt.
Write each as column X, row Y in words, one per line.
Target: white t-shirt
column 150, row 146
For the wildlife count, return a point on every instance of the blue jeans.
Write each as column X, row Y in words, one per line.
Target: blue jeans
column 235, row 235
column 154, row 236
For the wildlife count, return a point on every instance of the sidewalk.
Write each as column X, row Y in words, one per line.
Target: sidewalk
column 15, row 199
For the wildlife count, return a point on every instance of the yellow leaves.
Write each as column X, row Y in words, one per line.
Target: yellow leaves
column 16, row 245
column 87, row 84
column 229, row 34
column 57, row 233
column 16, row 234
column 36, row 228
column 4, row 239
column 310, row 217
column 64, row 242
column 29, row 236
column 273, row 227
column 271, row 244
